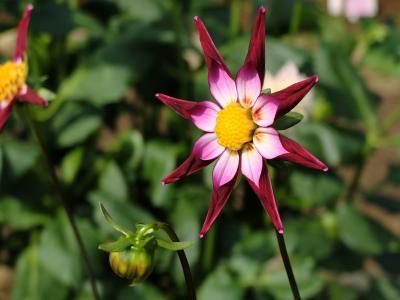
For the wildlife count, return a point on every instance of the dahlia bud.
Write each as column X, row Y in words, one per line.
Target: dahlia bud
column 133, row 263
column 132, row 255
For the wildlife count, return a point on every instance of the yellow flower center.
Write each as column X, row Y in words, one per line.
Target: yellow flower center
column 235, row 126
column 12, row 79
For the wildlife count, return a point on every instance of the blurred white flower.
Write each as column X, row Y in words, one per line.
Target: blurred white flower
column 286, row 76
column 353, row 9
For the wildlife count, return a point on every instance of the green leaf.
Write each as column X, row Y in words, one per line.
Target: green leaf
column 174, row 246
column 116, row 246
column 159, row 160
column 112, row 182
column 20, row 216
column 113, row 224
column 32, row 281
column 221, row 284
column 288, row 120
column 71, row 164
column 349, row 93
column 18, row 157
column 266, row 91
column 355, row 231
column 111, row 84
column 58, row 250
column 79, row 130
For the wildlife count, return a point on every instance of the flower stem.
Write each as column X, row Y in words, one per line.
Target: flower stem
column 288, row 266
column 296, row 17
column 183, row 260
column 60, row 195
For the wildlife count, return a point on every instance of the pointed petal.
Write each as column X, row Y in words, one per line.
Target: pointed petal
column 256, row 51
column 264, row 110
column 225, row 168
column 248, row 85
column 211, row 54
column 289, row 97
column 31, row 96
column 266, row 195
column 299, row 155
column 191, row 165
column 22, row 34
column 202, row 114
column 5, row 110
column 267, row 143
column 251, row 163
column 207, row 147
column 222, row 86
column 219, row 198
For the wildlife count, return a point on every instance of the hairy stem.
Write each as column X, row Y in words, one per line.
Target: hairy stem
column 60, row 195
column 183, row 260
column 288, row 266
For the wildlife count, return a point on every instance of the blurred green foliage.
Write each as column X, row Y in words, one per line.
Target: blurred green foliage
column 102, row 61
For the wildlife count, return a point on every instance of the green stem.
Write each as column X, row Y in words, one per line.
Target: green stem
column 234, row 24
column 183, row 260
column 296, row 17
column 288, row 266
column 60, row 195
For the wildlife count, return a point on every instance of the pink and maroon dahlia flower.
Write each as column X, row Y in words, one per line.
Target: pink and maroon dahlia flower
column 13, row 74
column 239, row 131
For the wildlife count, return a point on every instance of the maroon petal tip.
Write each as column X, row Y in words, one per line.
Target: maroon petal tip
column 325, row 169
column 157, row 95
column 315, row 78
column 262, row 9
column 201, row 235
column 196, row 18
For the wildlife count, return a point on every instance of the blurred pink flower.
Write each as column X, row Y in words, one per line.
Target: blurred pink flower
column 239, row 132
column 353, row 9
column 13, row 73
column 288, row 74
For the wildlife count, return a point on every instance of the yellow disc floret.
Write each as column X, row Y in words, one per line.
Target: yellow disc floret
column 12, row 79
column 234, row 126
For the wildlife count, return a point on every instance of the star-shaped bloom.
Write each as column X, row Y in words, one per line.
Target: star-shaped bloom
column 13, row 74
column 239, row 130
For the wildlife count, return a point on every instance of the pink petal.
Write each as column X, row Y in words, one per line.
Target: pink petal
column 289, row 97
column 266, row 195
column 225, row 168
column 219, row 198
column 22, row 34
column 5, row 110
column 207, row 147
column 248, row 85
column 299, row 155
column 256, row 51
column 267, row 143
column 191, row 165
column 264, row 110
column 251, row 163
column 222, row 86
column 31, row 96
column 202, row 114
column 211, row 54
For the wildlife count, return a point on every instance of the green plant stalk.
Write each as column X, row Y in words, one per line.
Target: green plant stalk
column 183, row 260
column 288, row 266
column 234, row 24
column 296, row 17
column 57, row 186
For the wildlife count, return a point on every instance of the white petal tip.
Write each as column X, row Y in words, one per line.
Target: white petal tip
column 281, row 231
column 201, row 235
column 29, row 7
